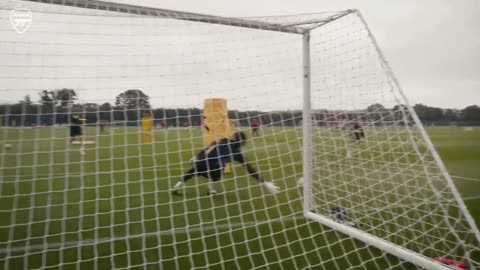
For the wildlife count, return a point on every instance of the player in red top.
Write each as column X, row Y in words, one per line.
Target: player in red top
column 255, row 126
column 101, row 125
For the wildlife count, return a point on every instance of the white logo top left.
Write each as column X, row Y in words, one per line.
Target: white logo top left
column 21, row 19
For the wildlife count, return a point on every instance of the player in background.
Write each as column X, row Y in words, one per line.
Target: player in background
column 101, row 125
column 210, row 163
column 75, row 128
column 357, row 135
column 147, row 127
column 255, row 126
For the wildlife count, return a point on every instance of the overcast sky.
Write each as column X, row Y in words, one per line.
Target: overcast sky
column 433, row 46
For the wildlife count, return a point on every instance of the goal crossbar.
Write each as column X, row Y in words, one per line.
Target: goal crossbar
column 295, row 28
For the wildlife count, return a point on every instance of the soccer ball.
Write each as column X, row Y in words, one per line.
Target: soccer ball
column 7, row 146
column 300, row 182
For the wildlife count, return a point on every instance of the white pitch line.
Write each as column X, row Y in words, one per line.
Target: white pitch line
column 465, row 178
column 161, row 168
column 92, row 242
column 403, row 206
column 470, row 198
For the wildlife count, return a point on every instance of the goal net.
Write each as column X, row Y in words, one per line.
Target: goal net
column 102, row 114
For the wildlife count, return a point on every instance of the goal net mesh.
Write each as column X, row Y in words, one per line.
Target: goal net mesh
column 105, row 201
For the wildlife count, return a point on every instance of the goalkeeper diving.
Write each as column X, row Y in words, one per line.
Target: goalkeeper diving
column 211, row 161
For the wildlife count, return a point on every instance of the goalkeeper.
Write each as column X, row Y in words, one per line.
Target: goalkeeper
column 210, row 163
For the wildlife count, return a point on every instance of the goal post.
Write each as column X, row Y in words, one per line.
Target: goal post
column 374, row 193
column 307, row 127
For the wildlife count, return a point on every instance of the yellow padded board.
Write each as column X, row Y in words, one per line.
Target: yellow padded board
column 216, row 124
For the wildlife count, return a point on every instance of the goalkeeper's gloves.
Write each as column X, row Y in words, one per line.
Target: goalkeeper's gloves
column 271, row 187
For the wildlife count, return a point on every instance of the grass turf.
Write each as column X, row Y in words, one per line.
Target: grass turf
column 112, row 207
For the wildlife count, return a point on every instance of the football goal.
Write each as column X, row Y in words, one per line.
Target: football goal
column 102, row 114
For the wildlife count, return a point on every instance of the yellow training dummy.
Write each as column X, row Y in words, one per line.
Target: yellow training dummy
column 147, row 124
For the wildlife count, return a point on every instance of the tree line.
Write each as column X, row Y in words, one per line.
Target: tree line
column 56, row 106
column 469, row 115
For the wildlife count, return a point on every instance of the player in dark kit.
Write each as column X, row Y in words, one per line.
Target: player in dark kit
column 358, row 135
column 75, row 127
column 210, row 163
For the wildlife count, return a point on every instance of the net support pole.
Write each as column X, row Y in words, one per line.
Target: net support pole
column 379, row 243
column 307, row 127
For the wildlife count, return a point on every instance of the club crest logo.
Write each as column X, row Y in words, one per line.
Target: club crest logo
column 21, row 19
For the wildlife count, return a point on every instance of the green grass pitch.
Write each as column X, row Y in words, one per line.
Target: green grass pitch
column 112, row 207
